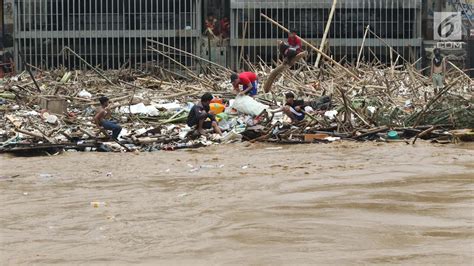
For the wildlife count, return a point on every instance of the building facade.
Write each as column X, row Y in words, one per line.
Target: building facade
column 106, row 33
column 114, row 33
column 391, row 22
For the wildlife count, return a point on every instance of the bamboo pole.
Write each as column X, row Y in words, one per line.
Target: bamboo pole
column 242, row 46
column 190, row 54
column 389, row 46
column 191, row 73
column 362, row 46
column 328, row 26
column 87, row 64
column 460, row 71
column 311, row 46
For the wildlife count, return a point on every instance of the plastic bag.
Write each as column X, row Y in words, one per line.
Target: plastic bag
column 247, row 105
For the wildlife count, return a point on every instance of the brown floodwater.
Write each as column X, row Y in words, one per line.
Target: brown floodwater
column 340, row 203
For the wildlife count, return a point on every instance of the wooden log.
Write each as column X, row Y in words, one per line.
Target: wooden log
column 36, row 135
column 372, row 131
column 267, row 87
column 423, row 133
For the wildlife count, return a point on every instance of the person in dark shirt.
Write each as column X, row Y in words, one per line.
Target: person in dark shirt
column 202, row 117
column 294, row 108
column 286, row 53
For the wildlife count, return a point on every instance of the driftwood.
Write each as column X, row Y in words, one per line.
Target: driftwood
column 280, row 69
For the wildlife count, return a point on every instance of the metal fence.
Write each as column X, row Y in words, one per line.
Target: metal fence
column 113, row 33
column 108, row 33
column 393, row 22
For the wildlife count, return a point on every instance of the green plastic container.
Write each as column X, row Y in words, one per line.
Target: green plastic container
column 393, row 135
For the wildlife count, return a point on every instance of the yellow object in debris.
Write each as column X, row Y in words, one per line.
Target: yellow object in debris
column 217, row 108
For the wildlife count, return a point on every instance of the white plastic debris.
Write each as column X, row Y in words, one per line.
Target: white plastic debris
column 52, row 119
column 140, row 131
column 372, row 109
column 331, row 114
column 136, row 109
column 84, row 94
column 184, row 132
column 140, row 108
column 308, row 109
column 32, row 113
column 124, row 132
column 152, row 111
column 247, row 105
column 231, row 136
column 174, row 106
column 331, row 139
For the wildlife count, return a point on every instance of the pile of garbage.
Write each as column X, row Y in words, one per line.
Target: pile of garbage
column 53, row 110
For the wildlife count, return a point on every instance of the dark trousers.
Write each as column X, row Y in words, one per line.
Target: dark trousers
column 109, row 125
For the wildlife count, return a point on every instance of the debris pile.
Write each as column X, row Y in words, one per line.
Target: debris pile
column 54, row 112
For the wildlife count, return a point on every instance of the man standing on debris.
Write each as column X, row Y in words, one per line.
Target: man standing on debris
column 438, row 70
column 294, row 41
column 101, row 118
column 248, row 80
column 202, row 117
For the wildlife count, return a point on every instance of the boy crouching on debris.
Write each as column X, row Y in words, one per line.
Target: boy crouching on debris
column 202, row 117
column 294, row 109
column 101, row 118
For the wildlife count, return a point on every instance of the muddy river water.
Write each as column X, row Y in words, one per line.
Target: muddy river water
column 342, row 203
